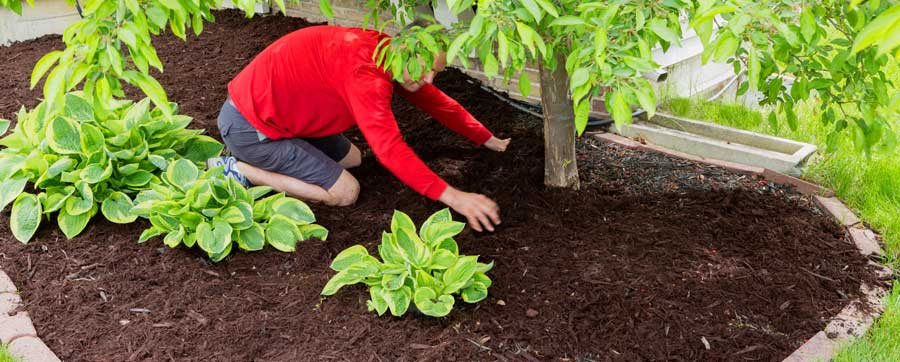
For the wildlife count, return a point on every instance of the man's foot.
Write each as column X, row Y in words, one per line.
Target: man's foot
column 230, row 170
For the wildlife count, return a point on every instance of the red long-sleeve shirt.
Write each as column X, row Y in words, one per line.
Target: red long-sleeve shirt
column 320, row 81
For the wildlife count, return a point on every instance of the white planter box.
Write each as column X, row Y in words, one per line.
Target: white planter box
column 47, row 17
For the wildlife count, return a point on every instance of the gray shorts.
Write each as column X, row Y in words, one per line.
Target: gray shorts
column 312, row 160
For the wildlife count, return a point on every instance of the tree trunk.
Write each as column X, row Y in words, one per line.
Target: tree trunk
column 560, row 167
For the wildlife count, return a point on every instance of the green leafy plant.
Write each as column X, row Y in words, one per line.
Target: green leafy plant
column 214, row 212
column 425, row 268
column 81, row 161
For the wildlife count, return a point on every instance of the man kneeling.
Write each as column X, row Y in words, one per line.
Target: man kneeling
column 287, row 109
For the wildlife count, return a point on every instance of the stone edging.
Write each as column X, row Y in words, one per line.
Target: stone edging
column 851, row 321
column 16, row 330
column 18, row 333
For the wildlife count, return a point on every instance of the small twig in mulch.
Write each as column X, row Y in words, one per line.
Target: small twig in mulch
column 481, row 346
column 818, row 275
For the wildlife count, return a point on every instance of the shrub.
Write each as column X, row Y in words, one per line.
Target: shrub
column 214, row 212
column 81, row 160
column 425, row 269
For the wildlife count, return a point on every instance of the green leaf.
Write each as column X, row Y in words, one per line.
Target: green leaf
column 92, row 139
column 55, row 85
column 533, row 9
column 430, row 304
column 78, row 205
column 437, row 232
column 474, row 293
column 647, row 99
column 621, row 112
column 753, row 69
column 149, row 234
column 807, row 25
column 400, row 220
column 393, row 281
column 411, row 247
column 281, row 233
column 138, row 179
column 459, row 274
column 201, row 148
column 219, row 256
column 63, row 136
column 352, row 275
column 525, row 84
column 10, row 189
column 725, row 47
column 661, row 29
column 151, row 88
column 313, row 231
column 72, row 225
column 449, row 245
column 117, row 208
column 294, row 209
column 349, row 257
column 10, row 164
column 258, row 191
column 502, row 48
column 397, row 300
column 443, row 259
column 173, row 239
column 568, row 20
column 43, row 65
column 548, row 7
column 388, row 249
column 114, row 58
column 456, row 46
column 582, row 114
column 214, row 238
column 253, row 238
column 25, row 217
column 491, row 68
column 579, row 77
column 874, row 31
column 182, row 172
column 376, row 302
column 325, row 8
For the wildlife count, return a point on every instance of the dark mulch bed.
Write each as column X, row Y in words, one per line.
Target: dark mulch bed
column 654, row 257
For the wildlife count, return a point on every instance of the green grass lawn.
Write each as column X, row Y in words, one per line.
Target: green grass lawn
column 868, row 183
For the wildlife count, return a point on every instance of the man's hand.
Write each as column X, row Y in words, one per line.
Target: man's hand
column 481, row 212
column 496, row 144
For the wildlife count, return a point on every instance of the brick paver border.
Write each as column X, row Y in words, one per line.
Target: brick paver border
column 18, row 333
column 851, row 322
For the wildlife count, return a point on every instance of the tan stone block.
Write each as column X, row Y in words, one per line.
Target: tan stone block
column 32, row 349
column 838, row 210
column 817, row 349
column 15, row 326
column 6, row 284
column 9, row 302
column 865, row 241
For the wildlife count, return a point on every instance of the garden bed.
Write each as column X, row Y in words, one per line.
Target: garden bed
column 655, row 259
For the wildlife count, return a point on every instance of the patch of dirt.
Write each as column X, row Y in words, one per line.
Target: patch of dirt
column 653, row 260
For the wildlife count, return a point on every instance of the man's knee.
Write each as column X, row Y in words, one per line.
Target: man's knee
column 345, row 191
column 352, row 159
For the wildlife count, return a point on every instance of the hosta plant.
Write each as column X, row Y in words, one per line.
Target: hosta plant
column 81, row 160
column 424, row 268
column 215, row 212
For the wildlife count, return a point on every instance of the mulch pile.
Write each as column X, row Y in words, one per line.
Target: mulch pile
column 655, row 259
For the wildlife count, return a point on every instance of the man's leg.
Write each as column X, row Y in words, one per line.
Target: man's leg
column 339, row 149
column 293, row 166
column 343, row 193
